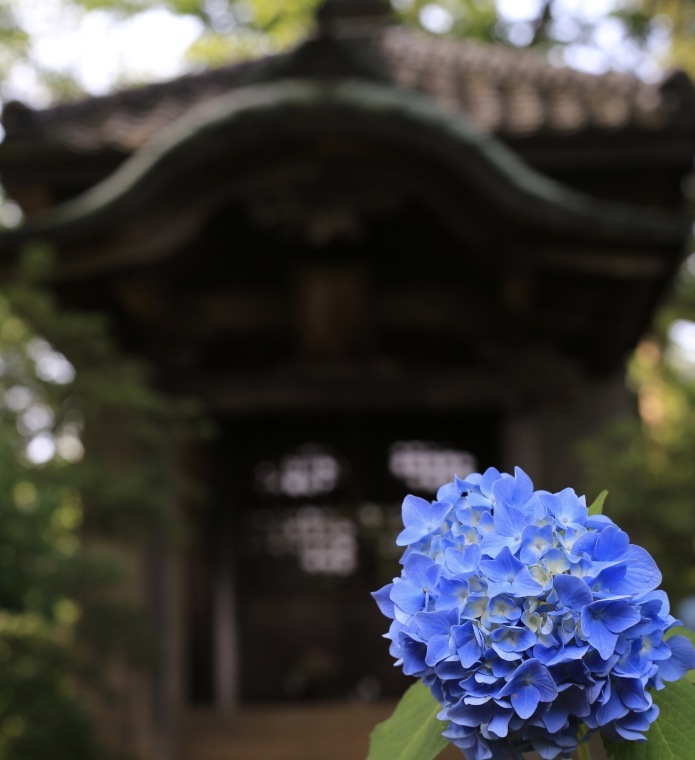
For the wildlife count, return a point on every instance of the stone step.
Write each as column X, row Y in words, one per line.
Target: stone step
column 311, row 732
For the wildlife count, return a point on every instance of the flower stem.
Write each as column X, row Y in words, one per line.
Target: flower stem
column 584, row 751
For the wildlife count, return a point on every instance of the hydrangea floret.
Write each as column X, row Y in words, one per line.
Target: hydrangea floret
column 533, row 622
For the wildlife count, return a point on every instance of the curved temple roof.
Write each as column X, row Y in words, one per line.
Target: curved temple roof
column 219, row 133
column 423, row 121
column 501, row 91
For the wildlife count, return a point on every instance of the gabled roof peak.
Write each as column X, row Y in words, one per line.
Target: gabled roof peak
column 513, row 94
column 338, row 16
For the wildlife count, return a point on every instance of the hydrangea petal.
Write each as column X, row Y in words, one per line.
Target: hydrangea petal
column 632, row 694
column 681, row 661
column 467, row 642
column 383, row 598
column 512, row 639
column 525, row 700
column 431, row 624
column 641, row 573
column 462, row 562
column 572, row 592
column 470, row 715
column 409, row 597
column 499, row 724
column 596, row 632
column 421, row 518
column 453, row 593
column 509, row 575
column 566, row 507
column 413, row 654
column 618, row 616
column 611, row 544
column 527, row 617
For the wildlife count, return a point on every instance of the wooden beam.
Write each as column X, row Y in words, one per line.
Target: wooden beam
column 612, row 264
column 510, row 382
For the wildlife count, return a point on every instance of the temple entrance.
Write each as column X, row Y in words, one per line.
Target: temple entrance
column 307, row 508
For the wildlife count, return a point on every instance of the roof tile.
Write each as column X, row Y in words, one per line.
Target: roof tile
column 500, row 90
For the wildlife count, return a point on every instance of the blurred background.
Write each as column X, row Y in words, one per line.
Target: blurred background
column 269, row 266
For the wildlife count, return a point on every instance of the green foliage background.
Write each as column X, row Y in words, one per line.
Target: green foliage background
column 647, row 463
column 67, row 611
column 235, row 29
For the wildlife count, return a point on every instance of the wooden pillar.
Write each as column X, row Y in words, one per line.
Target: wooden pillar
column 226, row 673
column 167, row 679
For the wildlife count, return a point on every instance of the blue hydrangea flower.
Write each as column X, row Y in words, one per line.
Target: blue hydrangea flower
column 528, row 618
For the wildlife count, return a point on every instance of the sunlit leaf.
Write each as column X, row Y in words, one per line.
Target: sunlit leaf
column 597, row 507
column 412, row 732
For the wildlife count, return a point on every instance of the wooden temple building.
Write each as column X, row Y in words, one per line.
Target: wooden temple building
column 375, row 260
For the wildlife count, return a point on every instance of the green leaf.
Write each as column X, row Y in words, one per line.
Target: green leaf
column 597, row 507
column 672, row 735
column 412, row 732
